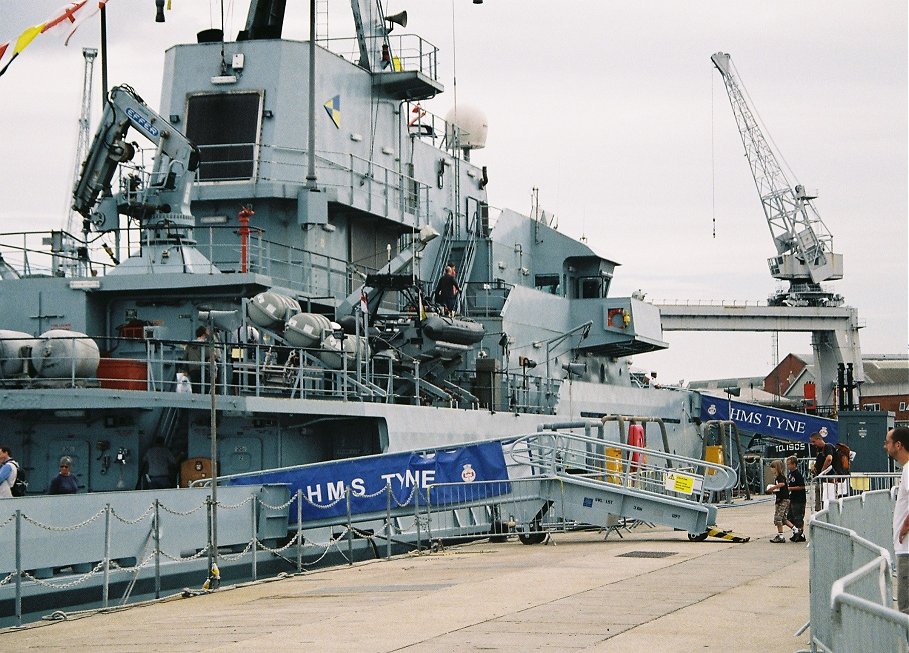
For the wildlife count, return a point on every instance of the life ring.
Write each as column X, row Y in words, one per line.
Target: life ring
column 636, row 438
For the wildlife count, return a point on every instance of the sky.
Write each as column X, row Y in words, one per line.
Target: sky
column 614, row 112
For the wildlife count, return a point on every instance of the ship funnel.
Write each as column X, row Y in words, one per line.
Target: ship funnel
column 397, row 19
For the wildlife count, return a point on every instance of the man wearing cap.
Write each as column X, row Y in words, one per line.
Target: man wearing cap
column 64, row 482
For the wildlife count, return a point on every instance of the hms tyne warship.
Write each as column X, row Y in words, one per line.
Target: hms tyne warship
column 298, row 202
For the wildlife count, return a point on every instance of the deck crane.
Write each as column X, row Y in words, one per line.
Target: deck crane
column 159, row 199
column 804, row 246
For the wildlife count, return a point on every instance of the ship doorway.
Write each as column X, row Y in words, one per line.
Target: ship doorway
column 334, row 438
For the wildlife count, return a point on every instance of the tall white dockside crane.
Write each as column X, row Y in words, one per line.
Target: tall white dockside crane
column 804, row 246
column 85, row 118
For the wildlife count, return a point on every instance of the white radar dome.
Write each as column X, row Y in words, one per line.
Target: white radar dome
column 473, row 127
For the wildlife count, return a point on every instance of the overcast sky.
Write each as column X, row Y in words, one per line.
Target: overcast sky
column 614, row 111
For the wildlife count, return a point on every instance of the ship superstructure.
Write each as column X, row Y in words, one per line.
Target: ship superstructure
column 306, row 231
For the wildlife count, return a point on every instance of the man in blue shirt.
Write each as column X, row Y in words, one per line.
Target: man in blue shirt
column 8, row 473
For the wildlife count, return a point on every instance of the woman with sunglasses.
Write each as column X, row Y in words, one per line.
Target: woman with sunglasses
column 64, row 483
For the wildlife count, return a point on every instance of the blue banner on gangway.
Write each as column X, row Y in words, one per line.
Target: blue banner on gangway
column 323, row 485
column 769, row 421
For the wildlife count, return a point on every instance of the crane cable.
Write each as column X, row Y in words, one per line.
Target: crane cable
column 713, row 152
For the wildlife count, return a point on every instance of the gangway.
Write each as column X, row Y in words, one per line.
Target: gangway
column 543, row 482
column 573, row 479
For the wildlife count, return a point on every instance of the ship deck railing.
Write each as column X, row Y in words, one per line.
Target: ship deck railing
column 311, row 273
column 407, row 51
column 141, row 360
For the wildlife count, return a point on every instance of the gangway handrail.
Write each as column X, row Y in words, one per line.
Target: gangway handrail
column 556, row 452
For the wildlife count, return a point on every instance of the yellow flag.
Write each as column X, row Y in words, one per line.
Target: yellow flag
column 27, row 37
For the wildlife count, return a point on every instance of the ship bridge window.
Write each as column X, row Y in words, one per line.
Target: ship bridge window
column 591, row 287
column 547, row 283
column 227, row 147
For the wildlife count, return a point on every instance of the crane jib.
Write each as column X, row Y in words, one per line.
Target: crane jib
column 142, row 122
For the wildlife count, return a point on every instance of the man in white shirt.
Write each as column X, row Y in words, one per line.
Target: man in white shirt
column 896, row 444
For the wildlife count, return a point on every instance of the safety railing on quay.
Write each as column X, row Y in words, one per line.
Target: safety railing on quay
column 118, row 539
column 850, row 567
column 165, row 537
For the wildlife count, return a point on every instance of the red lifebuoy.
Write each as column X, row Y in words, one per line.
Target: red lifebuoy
column 636, row 438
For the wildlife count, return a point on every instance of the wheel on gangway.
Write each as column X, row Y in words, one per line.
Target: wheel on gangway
column 697, row 537
column 531, row 538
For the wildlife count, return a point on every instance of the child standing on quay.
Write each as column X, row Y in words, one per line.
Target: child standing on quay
column 797, row 499
column 781, row 506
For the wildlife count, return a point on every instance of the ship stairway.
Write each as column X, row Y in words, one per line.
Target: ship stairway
column 588, row 480
column 461, row 252
column 560, row 481
column 443, row 257
column 167, row 424
column 312, row 372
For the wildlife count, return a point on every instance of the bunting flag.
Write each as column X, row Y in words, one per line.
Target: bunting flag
column 91, row 9
column 65, row 20
column 418, row 114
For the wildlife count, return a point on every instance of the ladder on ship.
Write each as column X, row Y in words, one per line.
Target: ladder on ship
column 461, row 252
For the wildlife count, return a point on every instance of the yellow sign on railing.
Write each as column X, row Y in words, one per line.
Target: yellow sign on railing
column 681, row 483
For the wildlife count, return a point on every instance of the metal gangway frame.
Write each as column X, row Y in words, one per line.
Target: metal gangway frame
column 555, row 481
column 597, row 480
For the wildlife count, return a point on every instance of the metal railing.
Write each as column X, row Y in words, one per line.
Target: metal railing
column 312, row 273
column 409, row 52
column 561, row 454
column 120, row 540
column 850, row 562
column 469, row 510
column 142, row 361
